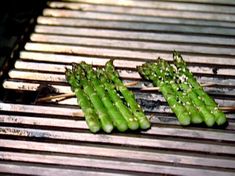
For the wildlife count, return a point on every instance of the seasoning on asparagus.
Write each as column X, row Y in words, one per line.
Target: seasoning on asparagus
column 208, row 117
column 210, row 104
column 90, row 115
column 132, row 121
column 170, row 75
column 149, row 73
column 128, row 95
column 117, row 118
column 105, row 120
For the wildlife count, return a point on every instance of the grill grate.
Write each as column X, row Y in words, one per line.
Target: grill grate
column 53, row 139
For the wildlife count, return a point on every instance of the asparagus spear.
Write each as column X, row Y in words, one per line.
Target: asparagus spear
column 149, row 73
column 132, row 121
column 210, row 104
column 128, row 95
column 169, row 73
column 117, row 118
column 105, row 120
column 89, row 112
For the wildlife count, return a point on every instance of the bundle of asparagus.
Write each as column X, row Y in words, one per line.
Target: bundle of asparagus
column 184, row 94
column 97, row 92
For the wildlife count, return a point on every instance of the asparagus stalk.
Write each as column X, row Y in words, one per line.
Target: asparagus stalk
column 117, row 118
column 168, row 70
column 149, row 73
column 211, row 105
column 128, row 95
column 90, row 115
column 132, row 121
column 105, row 120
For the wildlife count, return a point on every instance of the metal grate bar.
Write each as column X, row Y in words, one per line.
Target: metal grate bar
column 136, row 26
column 60, row 58
column 131, row 45
column 108, row 164
column 133, row 35
column 164, row 17
column 47, row 170
column 60, row 67
column 149, row 4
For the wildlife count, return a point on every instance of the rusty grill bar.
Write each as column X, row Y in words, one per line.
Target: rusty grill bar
column 53, row 139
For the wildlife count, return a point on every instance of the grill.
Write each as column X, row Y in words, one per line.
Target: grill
column 51, row 138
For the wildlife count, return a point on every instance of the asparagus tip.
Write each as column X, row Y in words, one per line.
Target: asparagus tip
column 67, row 70
column 74, row 64
column 68, row 73
column 177, row 57
column 176, row 53
column 110, row 63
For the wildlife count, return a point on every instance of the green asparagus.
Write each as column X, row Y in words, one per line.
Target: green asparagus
column 90, row 115
column 128, row 95
column 105, row 120
column 168, row 70
column 132, row 121
column 117, row 118
column 149, row 73
column 209, row 104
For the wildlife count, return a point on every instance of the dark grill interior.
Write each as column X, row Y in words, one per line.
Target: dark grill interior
column 51, row 138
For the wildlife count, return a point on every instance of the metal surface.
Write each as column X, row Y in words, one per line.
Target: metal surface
column 53, row 139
